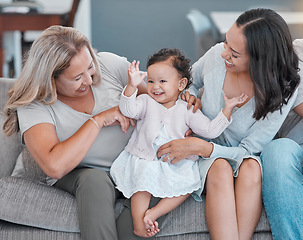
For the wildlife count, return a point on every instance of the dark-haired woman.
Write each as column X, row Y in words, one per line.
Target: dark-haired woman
column 257, row 58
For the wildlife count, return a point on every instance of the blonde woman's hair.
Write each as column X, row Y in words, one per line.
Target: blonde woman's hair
column 48, row 57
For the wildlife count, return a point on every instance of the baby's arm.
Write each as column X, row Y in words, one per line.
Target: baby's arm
column 134, row 78
column 230, row 104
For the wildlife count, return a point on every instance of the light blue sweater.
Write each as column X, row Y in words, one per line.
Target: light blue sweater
column 244, row 137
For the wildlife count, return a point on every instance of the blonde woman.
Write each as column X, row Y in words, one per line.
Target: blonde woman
column 61, row 106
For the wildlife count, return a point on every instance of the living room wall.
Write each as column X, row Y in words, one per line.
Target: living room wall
column 137, row 28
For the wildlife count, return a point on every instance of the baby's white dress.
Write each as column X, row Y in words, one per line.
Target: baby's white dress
column 162, row 179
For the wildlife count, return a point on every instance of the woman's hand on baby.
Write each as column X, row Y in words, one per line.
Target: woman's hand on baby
column 134, row 75
column 191, row 100
column 113, row 116
column 178, row 149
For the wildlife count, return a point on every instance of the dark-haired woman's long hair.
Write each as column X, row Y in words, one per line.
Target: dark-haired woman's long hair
column 273, row 62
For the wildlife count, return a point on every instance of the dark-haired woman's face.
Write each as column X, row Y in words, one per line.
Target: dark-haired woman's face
column 235, row 52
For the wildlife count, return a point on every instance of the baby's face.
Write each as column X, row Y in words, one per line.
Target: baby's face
column 163, row 83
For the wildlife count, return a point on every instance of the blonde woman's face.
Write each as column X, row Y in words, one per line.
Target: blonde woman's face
column 75, row 81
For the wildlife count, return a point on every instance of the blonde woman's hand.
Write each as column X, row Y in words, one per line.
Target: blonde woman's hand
column 191, row 100
column 113, row 116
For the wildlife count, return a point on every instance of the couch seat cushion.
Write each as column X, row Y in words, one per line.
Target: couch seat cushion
column 38, row 205
column 189, row 217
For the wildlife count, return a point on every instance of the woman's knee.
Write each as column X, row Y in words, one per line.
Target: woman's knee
column 96, row 180
column 281, row 154
column 220, row 171
column 250, row 172
column 279, row 148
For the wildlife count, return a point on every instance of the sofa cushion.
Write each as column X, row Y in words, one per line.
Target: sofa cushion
column 10, row 149
column 35, row 204
column 26, row 167
column 38, row 205
column 6, row 84
column 10, row 231
column 189, row 217
column 10, row 146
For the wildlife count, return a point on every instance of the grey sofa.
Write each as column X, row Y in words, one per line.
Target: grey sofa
column 29, row 209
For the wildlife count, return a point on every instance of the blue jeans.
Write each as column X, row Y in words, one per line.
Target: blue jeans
column 282, row 161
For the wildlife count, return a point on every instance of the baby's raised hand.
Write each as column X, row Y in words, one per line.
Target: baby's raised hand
column 230, row 103
column 134, row 75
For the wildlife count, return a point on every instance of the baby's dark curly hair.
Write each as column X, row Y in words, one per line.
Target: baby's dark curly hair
column 179, row 62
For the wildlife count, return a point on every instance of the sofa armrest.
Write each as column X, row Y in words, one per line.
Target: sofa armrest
column 10, row 147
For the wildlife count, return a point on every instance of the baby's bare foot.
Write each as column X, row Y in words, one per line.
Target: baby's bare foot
column 150, row 224
column 144, row 233
column 141, row 231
